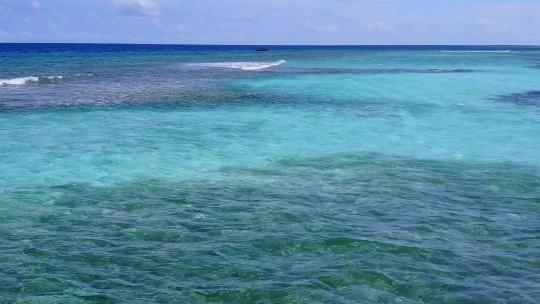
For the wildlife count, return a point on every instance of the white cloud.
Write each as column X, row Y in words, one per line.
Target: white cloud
column 35, row 5
column 3, row 10
column 485, row 21
column 147, row 8
column 320, row 29
column 18, row 7
column 181, row 28
column 380, row 27
column 3, row 36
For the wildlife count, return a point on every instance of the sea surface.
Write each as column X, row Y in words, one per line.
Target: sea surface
column 217, row 174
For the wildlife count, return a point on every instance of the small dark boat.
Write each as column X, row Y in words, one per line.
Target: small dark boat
column 262, row 50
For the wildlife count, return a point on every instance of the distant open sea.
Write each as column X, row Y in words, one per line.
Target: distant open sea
column 305, row 174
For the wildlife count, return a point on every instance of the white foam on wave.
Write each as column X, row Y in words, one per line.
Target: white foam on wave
column 486, row 51
column 28, row 80
column 244, row 66
column 19, row 80
column 53, row 77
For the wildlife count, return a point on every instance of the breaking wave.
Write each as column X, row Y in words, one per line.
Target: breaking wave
column 245, row 66
column 29, row 79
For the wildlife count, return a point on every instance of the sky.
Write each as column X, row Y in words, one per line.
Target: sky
column 341, row 22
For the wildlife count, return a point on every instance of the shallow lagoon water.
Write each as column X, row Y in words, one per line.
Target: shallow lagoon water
column 157, row 174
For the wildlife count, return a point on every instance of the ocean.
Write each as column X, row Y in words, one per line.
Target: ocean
column 305, row 174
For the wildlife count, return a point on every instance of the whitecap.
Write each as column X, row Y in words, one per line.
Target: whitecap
column 53, row 77
column 28, row 80
column 245, row 66
column 19, row 80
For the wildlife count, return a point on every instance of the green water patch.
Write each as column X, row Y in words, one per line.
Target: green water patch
column 341, row 228
column 437, row 88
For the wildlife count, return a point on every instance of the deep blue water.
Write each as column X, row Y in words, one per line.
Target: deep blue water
column 11, row 48
column 305, row 174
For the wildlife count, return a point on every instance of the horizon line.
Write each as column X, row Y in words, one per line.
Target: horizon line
column 221, row 44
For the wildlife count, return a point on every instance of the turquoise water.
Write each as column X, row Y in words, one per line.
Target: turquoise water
column 183, row 174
